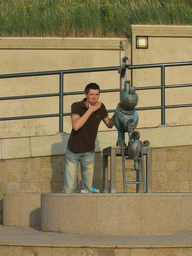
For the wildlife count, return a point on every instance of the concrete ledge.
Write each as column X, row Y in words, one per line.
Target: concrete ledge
column 22, row 209
column 165, row 136
column 61, row 43
column 162, row 30
column 56, row 144
column 117, row 214
column 49, row 145
column 15, row 148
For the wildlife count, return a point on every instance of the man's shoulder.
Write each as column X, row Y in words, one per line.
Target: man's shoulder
column 78, row 104
column 77, row 107
column 103, row 106
column 75, row 103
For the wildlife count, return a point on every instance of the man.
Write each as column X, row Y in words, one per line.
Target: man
column 86, row 117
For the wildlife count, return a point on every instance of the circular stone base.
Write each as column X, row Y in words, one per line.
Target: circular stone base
column 118, row 214
column 22, row 209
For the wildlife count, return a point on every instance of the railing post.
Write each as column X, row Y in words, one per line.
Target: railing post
column 122, row 74
column 61, row 102
column 162, row 95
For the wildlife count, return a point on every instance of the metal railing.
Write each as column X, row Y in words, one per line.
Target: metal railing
column 61, row 94
column 162, row 87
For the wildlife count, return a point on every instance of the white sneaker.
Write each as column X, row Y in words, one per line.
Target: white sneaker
column 84, row 191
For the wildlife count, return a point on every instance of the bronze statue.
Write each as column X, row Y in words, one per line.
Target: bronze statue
column 125, row 117
column 126, row 120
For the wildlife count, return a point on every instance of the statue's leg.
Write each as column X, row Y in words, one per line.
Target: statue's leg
column 121, row 138
column 136, row 165
column 138, row 175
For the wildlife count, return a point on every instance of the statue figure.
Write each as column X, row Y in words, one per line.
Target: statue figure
column 134, row 148
column 126, row 120
column 125, row 117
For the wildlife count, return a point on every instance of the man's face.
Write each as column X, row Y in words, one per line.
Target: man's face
column 92, row 96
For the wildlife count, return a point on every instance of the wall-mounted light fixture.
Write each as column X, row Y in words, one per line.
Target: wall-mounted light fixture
column 142, row 42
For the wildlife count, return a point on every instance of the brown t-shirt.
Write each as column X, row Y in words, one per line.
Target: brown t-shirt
column 83, row 140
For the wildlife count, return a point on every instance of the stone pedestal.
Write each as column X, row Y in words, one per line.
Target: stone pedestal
column 117, row 214
column 22, row 209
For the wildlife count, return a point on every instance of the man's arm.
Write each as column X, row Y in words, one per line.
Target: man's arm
column 78, row 122
column 109, row 122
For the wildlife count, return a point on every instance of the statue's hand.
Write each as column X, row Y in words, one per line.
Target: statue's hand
column 130, row 126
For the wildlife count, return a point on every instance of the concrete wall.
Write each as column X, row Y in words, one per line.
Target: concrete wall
column 32, row 151
column 46, row 54
column 42, row 170
column 165, row 44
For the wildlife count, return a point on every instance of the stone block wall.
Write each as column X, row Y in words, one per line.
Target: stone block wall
column 171, row 172
column 172, row 169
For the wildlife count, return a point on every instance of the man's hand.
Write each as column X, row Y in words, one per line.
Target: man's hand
column 109, row 121
column 95, row 107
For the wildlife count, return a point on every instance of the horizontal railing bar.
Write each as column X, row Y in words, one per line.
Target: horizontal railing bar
column 158, row 65
column 148, row 108
column 83, row 92
column 148, row 88
column 171, row 64
column 178, row 85
column 134, row 182
column 52, row 95
column 109, row 111
column 179, row 106
column 87, row 70
column 28, row 117
column 57, row 72
column 27, row 74
column 99, row 69
column 113, row 110
column 29, row 96
column 166, row 86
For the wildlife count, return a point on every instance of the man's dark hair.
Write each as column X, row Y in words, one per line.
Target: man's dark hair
column 93, row 86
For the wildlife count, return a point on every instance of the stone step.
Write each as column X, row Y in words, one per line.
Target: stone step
column 29, row 241
column 100, row 214
column 117, row 214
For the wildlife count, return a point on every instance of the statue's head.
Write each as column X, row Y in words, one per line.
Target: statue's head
column 130, row 100
column 135, row 135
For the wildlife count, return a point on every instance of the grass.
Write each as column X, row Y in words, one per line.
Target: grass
column 88, row 18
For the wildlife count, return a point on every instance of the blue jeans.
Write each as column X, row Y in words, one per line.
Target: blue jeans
column 72, row 161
